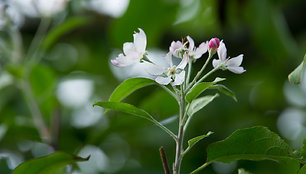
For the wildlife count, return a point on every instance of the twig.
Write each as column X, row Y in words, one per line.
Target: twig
column 164, row 160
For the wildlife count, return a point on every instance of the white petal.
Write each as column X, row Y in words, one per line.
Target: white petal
column 163, row 80
column 184, row 62
column 235, row 61
column 191, row 43
column 140, row 41
column 168, row 59
column 237, row 69
column 175, row 45
column 155, row 70
column 128, row 47
column 222, row 51
column 179, row 78
column 216, row 63
column 127, row 60
column 202, row 49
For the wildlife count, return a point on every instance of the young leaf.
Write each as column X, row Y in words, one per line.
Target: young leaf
column 295, row 77
column 48, row 164
column 225, row 90
column 199, row 88
column 124, row 107
column 129, row 86
column 199, row 103
column 256, row 143
column 62, row 29
column 195, row 140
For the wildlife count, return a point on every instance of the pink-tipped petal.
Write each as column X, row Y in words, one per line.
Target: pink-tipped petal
column 115, row 62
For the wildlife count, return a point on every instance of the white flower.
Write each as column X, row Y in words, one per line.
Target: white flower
column 132, row 51
column 178, row 49
column 196, row 53
column 224, row 63
column 171, row 73
column 47, row 8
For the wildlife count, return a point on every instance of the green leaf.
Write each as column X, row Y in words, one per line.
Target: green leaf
column 199, row 103
column 302, row 170
column 225, row 90
column 199, row 88
column 42, row 80
column 66, row 27
column 295, row 77
column 124, row 107
column 47, row 164
column 256, row 143
column 129, row 86
column 195, row 140
column 130, row 109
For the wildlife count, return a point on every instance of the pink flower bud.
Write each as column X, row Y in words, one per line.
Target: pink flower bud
column 214, row 44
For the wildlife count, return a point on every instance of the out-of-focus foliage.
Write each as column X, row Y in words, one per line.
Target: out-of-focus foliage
column 74, row 72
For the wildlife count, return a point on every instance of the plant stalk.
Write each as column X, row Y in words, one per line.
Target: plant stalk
column 180, row 136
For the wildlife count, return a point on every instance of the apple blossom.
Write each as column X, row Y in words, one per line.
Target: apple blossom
column 232, row 64
column 132, row 51
column 171, row 73
column 178, row 48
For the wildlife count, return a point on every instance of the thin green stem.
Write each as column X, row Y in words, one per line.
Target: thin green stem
column 35, row 111
column 170, row 92
column 206, row 75
column 200, row 168
column 35, row 45
column 164, row 128
column 198, row 74
column 180, row 136
column 188, row 73
column 17, row 44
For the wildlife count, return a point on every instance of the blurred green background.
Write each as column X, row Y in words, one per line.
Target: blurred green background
column 75, row 72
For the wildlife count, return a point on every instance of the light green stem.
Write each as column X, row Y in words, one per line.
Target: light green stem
column 198, row 74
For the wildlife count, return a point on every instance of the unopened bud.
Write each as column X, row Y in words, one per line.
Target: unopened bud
column 214, row 44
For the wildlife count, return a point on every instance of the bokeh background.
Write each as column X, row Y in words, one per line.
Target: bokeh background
column 75, row 72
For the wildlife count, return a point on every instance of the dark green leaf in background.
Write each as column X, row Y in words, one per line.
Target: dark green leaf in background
column 48, row 164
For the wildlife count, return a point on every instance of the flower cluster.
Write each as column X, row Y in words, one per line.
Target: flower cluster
column 168, row 72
